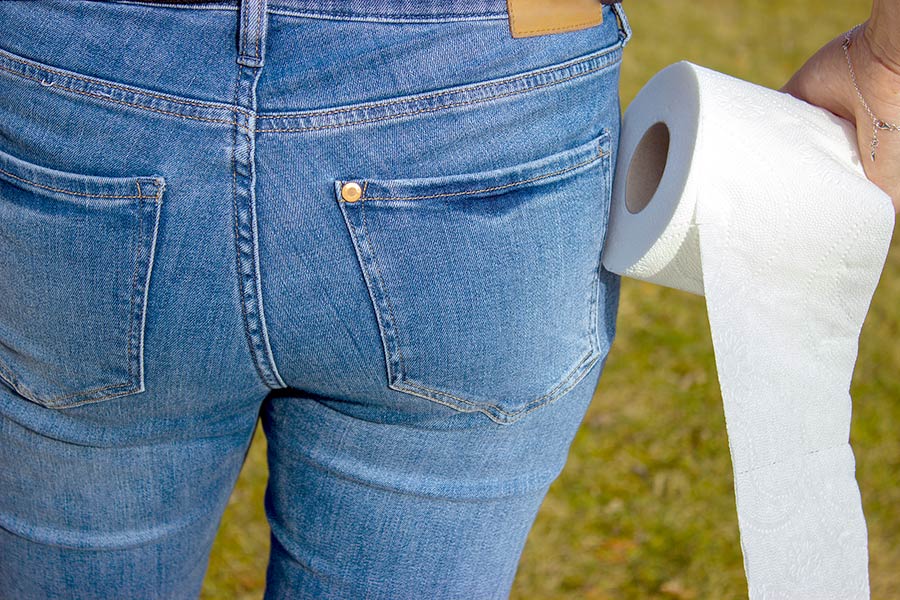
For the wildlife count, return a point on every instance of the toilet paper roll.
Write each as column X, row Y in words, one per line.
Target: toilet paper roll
column 758, row 201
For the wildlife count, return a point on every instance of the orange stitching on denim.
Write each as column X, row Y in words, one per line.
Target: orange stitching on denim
column 57, row 399
column 236, row 108
column 570, row 27
column 387, row 17
column 7, row 374
column 459, row 90
column 595, row 288
column 109, row 84
column 387, row 297
column 64, row 191
column 140, row 211
column 438, row 108
column 600, row 154
column 234, row 209
column 586, row 358
column 157, row 195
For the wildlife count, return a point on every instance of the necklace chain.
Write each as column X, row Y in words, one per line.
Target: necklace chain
column 876, row 122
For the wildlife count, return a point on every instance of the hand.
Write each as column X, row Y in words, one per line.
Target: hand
column 824, row 80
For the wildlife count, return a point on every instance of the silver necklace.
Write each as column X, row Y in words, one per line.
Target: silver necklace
column 876, row 122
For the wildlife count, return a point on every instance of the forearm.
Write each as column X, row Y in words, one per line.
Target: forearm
column 883, row 32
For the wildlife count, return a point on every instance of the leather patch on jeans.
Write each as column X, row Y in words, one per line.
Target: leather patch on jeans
column 542, row 17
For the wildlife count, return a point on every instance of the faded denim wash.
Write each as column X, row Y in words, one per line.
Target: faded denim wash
column 179, row 258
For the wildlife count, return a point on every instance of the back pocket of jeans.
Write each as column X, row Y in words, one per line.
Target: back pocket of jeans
column 485, row 285
column 75, row 261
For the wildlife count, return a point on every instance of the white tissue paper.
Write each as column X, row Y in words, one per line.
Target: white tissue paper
column 758, row 201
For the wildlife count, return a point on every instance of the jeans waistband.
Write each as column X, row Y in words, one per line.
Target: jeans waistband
column 252, row 15
column 386, row 9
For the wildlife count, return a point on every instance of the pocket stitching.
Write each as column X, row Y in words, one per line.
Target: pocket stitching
column 521, row 173
column 556, row 392
column 72, row 192
column 392, row 376
column 121, row 388
column 31, row 174
column 590, row 357
column 7, row 375
column 397, row 378
column 600, row 154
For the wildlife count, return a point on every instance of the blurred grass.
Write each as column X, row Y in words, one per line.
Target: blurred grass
column 645, row 506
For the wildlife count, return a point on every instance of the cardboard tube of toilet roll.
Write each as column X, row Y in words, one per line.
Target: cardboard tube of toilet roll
column 758, row 201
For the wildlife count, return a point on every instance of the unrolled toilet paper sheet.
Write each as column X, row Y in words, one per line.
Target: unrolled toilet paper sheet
column 762, row 206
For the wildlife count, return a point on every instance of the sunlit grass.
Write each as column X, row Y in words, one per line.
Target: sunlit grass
column 645, row 506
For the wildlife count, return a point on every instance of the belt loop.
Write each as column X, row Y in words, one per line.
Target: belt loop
column 252, row 27
column 624, row 27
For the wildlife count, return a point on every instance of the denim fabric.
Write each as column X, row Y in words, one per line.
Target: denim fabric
column 179, row 257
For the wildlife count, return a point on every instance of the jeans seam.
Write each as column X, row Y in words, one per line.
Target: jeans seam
column 595, row 304
column 7, row 374
column 234, row 211
column 71, row 192
column 435, row 108
column 235, row 108
column 464, row 89
column 151, row 255
column 252, row 289
column 583, row 163
column 243, row 30
column 259, row 21
column 390, row 18
column 112, row 100
column 393, row 322
column 137, row 263
column 109, row 84
column 550, row 395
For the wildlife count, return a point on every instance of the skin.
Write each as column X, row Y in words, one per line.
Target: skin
column 824, row 80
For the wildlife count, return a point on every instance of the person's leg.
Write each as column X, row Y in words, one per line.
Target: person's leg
column 128, row 391
column 431, row 224
column 436, row 507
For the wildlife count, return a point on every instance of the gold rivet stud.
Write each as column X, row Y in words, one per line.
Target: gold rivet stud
column 351, row 192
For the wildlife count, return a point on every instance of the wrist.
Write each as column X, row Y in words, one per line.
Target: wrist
column 883, row 82
column 877, row 68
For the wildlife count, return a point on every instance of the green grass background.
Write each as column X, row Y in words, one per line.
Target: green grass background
column 645, row 506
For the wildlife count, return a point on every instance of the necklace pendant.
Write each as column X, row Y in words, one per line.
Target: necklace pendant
column 874, row 144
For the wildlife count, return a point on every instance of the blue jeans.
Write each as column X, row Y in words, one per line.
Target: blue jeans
column 376, row 226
